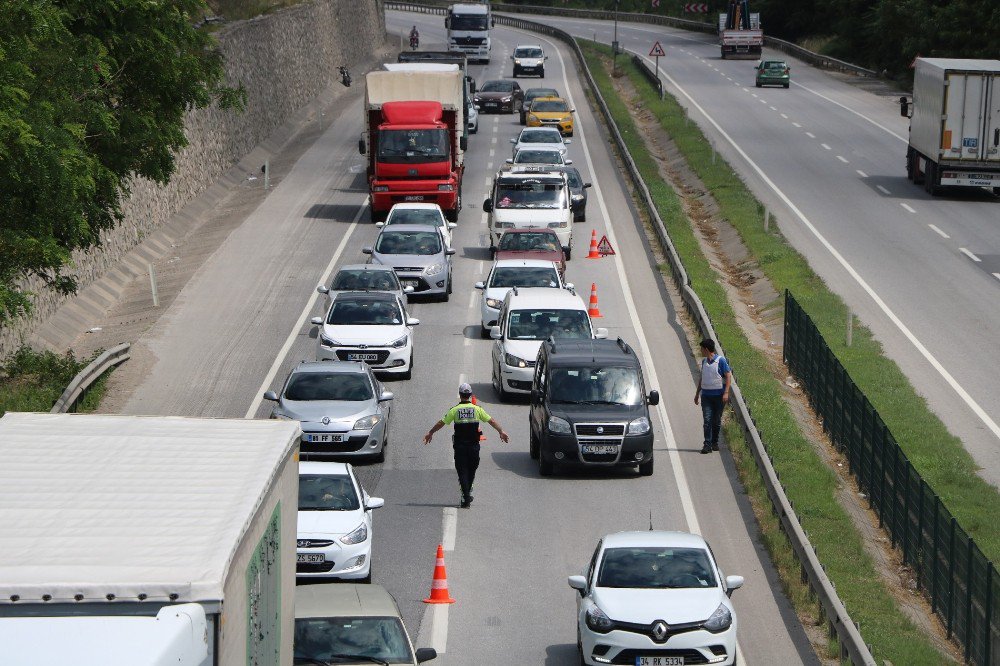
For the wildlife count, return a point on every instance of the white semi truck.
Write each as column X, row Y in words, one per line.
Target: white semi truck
column 469, row 30
column 147, row 541
column 954, row 124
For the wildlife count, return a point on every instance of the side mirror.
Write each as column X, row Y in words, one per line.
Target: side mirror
column 495, row 333
column 463, row 143
column 271, row 395
column 316, row 321
column 408, row 289
column 733, row 583
column 508, row 161
column 386, row 396
column 361, row 146
column 568, row 162
column 452, row 225
column 570, row 286
column 374, row 503
column 379, row 225
column 654, row 398
column 488, row 206
column 412, row 322
column 904, row 107
column 572, row 110
column 567, row 141
column 601, row 334
column 480, row 285
column 366, row 250
column 513, row 140
column 450, row 251
column 578, row 583
column 323, row 289
column 425, row 654
column 586, row 185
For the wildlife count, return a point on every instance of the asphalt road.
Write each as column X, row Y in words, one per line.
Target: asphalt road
column 242, row 322
column 829, row 159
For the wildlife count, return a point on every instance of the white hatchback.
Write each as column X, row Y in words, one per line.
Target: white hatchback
column 655, row 598
column 420, row 213
column 509, row 273
column 542, row 138
column 334, row 537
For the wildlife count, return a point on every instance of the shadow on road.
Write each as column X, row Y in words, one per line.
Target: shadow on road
column 561, row 655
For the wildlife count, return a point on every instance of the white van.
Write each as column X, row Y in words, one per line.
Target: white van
column 531, row 197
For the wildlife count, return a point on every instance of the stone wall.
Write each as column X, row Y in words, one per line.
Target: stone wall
column 284, row 60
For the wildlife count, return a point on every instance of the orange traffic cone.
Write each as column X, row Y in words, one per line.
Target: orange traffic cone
column 439, row 586
column 594, row 254
column 593, row 311
column 482, row 437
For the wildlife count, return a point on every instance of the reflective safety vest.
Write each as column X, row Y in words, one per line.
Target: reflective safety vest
column 466, row 418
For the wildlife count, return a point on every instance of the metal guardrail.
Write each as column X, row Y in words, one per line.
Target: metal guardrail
column 86, row 377
column 653, row 76
column 839, row 624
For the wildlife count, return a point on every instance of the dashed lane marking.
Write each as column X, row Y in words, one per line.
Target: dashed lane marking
column 882, row 189
column 842, row 159
column 861, row 173
column 969, row 254
column 938, row 231
column 908, row 208
column 825, row 147
column 810, row 135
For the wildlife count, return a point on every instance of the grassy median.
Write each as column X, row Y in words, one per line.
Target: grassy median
column 32, row 381
column 809, row 483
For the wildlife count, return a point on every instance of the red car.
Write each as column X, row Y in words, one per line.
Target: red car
column 531, row 244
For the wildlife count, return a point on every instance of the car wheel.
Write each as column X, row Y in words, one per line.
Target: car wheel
column 569, row 253
column 646, row 468
column 380, row 456
column 533, row 445
column 579, row 646
column 545, row 467
column 569, row 134
column 449, row 283
column 495, row 379
column 786, row 86
column 409, row 371
column 541, row 73
column 501, row 391
column 759, row 84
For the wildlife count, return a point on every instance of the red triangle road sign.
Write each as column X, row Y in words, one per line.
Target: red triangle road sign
column 657, row 50
column 604, row 247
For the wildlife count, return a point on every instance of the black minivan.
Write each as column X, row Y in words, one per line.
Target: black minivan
column 589, row 406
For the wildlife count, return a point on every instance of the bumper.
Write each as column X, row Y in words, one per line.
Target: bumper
column 430, row 285
column 350, row 444
column 565, row 449
column 496, row 107
column 564, row 126
column 533, row 70
column 402, row 193
column 387, row 359
column 341, row 561
column 517, row 380
column 773, row 80
column 622, row 647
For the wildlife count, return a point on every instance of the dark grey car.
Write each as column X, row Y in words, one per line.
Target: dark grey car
column 419, row 255
column 578, row 192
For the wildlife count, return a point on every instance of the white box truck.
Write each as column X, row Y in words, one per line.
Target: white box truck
column 468, row 28
column 141, row 541
column 954, row 124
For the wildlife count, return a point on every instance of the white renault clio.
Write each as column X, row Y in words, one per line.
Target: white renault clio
column 335, row 523
column 655, row 598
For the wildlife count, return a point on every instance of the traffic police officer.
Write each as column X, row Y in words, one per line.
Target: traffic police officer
column 466, row 417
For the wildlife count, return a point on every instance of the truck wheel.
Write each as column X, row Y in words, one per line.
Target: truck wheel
column 930, row 180
column 646, row 468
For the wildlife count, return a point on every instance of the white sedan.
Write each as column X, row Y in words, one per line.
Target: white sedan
column 655, row 598
column 507, row 274
column 334, row 537
column 548, row 138
column 367, row 326
column 420, row 213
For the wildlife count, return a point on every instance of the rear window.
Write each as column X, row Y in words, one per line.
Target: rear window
column 347, row 280
column 543, row 324
column 373, row 640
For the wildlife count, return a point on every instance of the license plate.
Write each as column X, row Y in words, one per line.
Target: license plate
column 659, row 661
column 324, row 438
column 600, row 448
column 491, row 105
column 413, row 197
column 410, row 283
column 362, row 357
column 310, row 558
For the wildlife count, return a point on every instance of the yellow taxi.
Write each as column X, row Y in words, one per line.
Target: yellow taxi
column 551, row 112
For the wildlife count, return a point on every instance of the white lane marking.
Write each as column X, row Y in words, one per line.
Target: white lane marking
column 938, row 231
column 825, row 147
column 810, row 135
column 482, row 220
column 763, row 101
column 908, row 208
column 472, row 298
column 857, row 113
column 882, row 305
column 785, row 116
column 797, row 125
column 862, row 173
column 754, row 94
column 488, row 182
column 842, row 159
column 434, row 628
column 969, row 254
column 449, row 528
column 882, row 189
column 494, row 141
column 280, row 358
column 493, row 152
column 996, row 275
column 747, row 90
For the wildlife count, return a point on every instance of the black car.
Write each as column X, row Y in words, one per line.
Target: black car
column 499, row 96
column 578, row 193
column 533, row 93
column 589, row 407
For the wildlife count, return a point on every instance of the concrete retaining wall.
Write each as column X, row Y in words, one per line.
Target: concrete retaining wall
column 284, row 60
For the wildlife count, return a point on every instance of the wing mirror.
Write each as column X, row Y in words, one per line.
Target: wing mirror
column 450, row 251
column 374, row 503
column 316, row 321
column 412, row 321
column 488, row 206
column 495, row 333
column 480, row 285
column 452, row 225
column 361, row 146
column 323, row 289
column 463, row 143
column 386, row 396
column 271, row 395
column 366, row 250
column 586, row 185
column 578, row 583
column 570, row 286
column 572, row 110
column 513, row 140
column 508, row 161
column 904, row 107
column 653, row 398
column 567, row 141
column 733, row 583
column 424, row 654
column 408, row 289
column 379, row 225
column 568, row 162
column 601, row 334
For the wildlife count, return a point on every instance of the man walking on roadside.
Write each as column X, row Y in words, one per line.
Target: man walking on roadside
column 713, row 390
column 466, row 416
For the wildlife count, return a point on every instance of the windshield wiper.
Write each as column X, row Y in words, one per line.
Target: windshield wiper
column 359, row 657
column 302, row 659
column 600, row 402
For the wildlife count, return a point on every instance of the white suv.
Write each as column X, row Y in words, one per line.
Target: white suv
column 528, row 317
column 531, row 197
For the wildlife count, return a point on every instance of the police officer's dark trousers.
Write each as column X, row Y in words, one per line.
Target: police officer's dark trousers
column 466, row 464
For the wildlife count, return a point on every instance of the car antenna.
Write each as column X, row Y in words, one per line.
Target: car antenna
column 650, row 520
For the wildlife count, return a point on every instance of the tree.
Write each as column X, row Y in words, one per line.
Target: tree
column 92, row 93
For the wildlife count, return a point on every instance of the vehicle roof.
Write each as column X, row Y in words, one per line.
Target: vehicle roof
column 542, row 130
column 527, row 46
column 330, row 366
column 544, row 298
column 519, row 172
column 529, row 230
column 471, row 8
column 525, row 263
column 661, row 538
column 207, row 478
column 974, row 64
column 572, row 352
column 413, row 205
column 365, row 296
column 400, row 228
column 323, row 467
column 551, row 98
column 344, row 600
column 536, row 89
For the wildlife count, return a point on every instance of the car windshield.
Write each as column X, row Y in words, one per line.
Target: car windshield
column 538, row 157
column 413, row 146
column 475, row 23
column 529, row 242
column 549, row 105
column 347, row 386
column 523, row 276
column 428, row 216
column 528, row 52
column 349, row 312
column 543, row 324
column 497, row 86
column 596, row 385
column 574, row 178
column 425, row 243
column 540, row 136
column 320, row 638
column 655, row 568
column 529, row 194
column 358, row 279
column 327, row 492
column 532, row 93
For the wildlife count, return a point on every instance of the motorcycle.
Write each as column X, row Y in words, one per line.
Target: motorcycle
column 345, row 76
column 414, row 42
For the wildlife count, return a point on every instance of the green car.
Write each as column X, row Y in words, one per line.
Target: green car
column 772, row 73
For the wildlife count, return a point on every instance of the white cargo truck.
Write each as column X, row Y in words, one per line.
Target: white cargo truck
column 142, row 541
column 954, row 124
column 468, row 28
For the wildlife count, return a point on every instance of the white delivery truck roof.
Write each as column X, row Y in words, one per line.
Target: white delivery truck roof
column 962, row 64
column 419, row 67
column 444, row 86
column 99, row 505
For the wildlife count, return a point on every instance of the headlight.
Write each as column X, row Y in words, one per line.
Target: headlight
column 532, row 117
column 367, row 423
column 640, row 426
column 399, row 343
column 517, row 61
column 598, row 621
column 720, row 621
column 558, row 426
column 510, row 359
column 577, row 197
column 447, row 187
column 357, row 536
column 328, row 342
column 494, row 303
column 433, row 269
column 506, row 99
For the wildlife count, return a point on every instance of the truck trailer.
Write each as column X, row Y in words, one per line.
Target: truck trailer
column 740, row 34
column 468, row 28
column 142, row 541
column 954, row 124
column 447, row 58
column 414, row 138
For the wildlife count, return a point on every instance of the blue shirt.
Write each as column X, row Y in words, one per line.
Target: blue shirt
column 722, row 366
